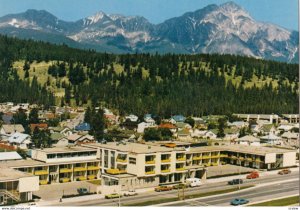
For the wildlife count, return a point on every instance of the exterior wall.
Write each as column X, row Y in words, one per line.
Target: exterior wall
column 29, row 184
column 270, row 158
column 289, row 159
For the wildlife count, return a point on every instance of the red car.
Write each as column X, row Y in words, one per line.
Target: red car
column 253, row 175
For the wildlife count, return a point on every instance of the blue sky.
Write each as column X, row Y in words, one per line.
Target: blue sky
column 281, row 12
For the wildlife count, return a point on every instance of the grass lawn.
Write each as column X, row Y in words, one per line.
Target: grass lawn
column 196, row 195
column 279, row 202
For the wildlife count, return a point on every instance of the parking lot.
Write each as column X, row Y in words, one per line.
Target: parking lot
column 56, row 191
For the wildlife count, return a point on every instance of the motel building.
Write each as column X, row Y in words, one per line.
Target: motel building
column 128, row 165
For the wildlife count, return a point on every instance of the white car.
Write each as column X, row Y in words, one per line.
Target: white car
column 130, row 193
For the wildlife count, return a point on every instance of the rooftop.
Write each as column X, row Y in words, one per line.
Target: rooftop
column 132, row 147
column 9, row 156
column 65, row 149
column 11, row 174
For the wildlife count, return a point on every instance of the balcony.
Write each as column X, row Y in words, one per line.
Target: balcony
column 233, row 157
column 81, row 178
column 241, row 158
column 181, row 159
column 65, row 170
column 92, row 168
column 223, row 155
column 197, row 158
column 115, row 171
column 149, row 172
column 249, row 159
column 206, row 157
column 43, row 182
column 150, row 162
column 121, row 160
column 64, row 180
column 165, row 171
column 215, row 156
column 79, row 169
column 166, row 160
column 214, row 164
column 91, row 177
column 180, row 169
column 258, row 160
column 40, row 172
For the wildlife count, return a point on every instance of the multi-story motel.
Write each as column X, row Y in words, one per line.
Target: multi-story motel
column 134, row 165
column 147, row 165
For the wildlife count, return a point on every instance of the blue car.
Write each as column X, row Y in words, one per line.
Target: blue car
column 239, row 201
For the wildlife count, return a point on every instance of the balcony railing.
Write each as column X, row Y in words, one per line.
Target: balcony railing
column 197, row 158
column 180, row 169
column 40, row 172
column 80, row 178
column 150, row 161
column 249, row 159
column 258, row 160
column 223, row 155
column 91, row 168
column 121, row 160
column 149, row 172
column 65, row 170
column 166, row 160
column 233, row 157
column 43, row 182
column 64, row 180
column 115, row 171
column 215, row 156
column 166, row 171
column 241, row 158
column 181, row 159
column 214, row 164
column 79, row 169
column 91, row 177
column 206, row 157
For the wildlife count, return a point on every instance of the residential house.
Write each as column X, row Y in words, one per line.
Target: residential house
column 132, row 118
column 182, row 126
column 83, row 127
column 289, row 137
column 6, row 156
column 177, row 118
column 238, row 124
column 11, row 129
column 184, row 135
column 248, row 140
column 58, row 140
column 272, row 139
column 169, row 126
column 80, row 139
column 143, row 125
column 148, row 119
column 40, row 126
column 20, row 140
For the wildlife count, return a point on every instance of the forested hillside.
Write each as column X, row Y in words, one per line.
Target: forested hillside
column 146, row 83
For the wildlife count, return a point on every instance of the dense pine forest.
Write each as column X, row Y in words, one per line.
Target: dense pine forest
column 147, row 83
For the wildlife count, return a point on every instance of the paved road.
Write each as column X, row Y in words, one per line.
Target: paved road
column 172, row 194
column 254, row 195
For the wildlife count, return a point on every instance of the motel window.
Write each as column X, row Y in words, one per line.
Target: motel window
column 132, row 160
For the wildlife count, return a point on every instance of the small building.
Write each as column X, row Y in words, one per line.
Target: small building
column 169, row 126
column 290, row 137
column 248, row 140
column 11, row 129
column 40, row 126
column 6, row 156
column 178, row 118
column 80, row 139
column 83, row 127
column 132, row 118
column 20, row 140
column 143, row 125
column 58, row 140
column 271, row 139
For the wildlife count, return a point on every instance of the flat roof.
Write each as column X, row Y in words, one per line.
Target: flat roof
column 7, row 174
column 254, row 149
column 65, row 149
column 35, row 163
column 133, row 147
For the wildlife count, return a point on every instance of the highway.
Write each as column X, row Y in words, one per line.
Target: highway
column 255, row 194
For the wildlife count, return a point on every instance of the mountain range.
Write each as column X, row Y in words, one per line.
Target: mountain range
column 223, row 29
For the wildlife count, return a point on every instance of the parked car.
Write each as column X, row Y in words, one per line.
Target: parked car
column 239, row 201
column 130, row 193
column 253, row 175
column 113, row 195
column 235, row 181
column 284, row 171
column 82, row 191
column 163, row 188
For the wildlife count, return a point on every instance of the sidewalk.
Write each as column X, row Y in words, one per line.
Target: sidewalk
column 146, row 190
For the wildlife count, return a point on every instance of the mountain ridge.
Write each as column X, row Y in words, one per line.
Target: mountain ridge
column 223, row 29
